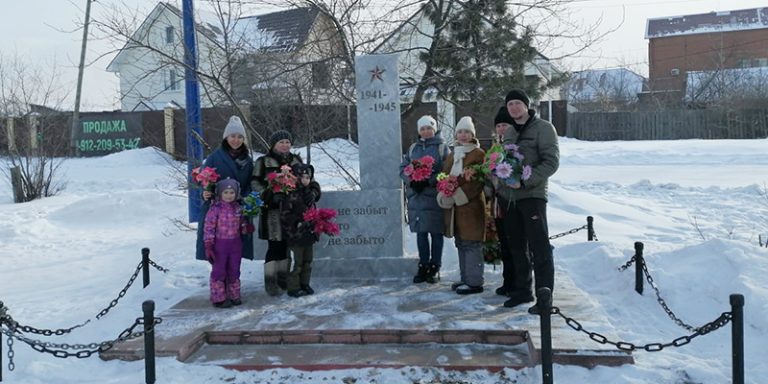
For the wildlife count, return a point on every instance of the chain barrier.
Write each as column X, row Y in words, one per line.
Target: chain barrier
column 712, row 326
column 158, row 267
column 572, row 231
column 80, row 351
column 663, row 303
column 120, row 295
column 628, row 263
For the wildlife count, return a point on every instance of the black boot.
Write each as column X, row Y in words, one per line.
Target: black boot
column 433, row 273
column 421, row 275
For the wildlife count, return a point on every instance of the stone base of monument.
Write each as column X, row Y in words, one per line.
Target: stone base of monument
column 376, row 324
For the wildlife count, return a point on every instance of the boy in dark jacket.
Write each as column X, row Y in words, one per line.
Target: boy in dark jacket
column 299, row 233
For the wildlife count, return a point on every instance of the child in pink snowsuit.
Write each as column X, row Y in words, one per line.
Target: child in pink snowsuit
column 223, row 247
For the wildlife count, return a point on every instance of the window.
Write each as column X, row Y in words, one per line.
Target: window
column 172, row 80
column 169, row 35
column 321, row 76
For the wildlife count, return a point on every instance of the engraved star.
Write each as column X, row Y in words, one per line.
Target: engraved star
column 376, row 74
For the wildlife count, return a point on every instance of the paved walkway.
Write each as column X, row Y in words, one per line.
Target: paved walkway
column 195, row 332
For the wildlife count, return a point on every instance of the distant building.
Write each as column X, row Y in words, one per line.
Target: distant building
column 603, row 89
column 704, row 44
column 250, row 59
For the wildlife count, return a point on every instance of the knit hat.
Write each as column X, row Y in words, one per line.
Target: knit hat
column 517, row 94
column 426, row 121
column 279, row 135
column 303, row 169
column 503, row 117
column 466, row 124
column 225, row 184
column 234, row 126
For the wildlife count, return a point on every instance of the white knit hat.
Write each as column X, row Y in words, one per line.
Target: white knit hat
column 466, row 124
column 234, row 126
column 426, row 121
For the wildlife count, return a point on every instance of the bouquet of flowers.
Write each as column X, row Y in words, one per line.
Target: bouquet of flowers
column 252, row 204
column 447, row 184
column 205, row 177
column 509, row 167
column 283, row 181
column 322, row 221
column 419, row 169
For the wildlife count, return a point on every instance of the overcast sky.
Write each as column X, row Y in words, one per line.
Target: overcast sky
column 38, row 31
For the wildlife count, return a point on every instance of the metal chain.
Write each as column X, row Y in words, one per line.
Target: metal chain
column 159, row 268
column 83, row 350
column 718, row 323
column 663, row 303
column 572, row 231
column 628, row 263
column 120, row 295
column 9, row 341
column 28, row 329
column 594, row 235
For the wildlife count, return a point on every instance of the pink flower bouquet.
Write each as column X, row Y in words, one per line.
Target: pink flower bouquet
column 510, row 168
column 205, row 177
column 419, row 169
column 283, row 181
column 322, row 221
column 447, row 184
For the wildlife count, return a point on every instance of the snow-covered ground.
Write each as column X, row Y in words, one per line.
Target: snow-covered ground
column 698, row 206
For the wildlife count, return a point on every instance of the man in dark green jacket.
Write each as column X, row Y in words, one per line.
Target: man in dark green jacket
column 525, row 218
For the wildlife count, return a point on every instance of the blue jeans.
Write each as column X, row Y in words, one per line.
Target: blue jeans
column 422, row 241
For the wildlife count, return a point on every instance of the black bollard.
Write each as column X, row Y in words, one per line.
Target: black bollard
column 145, row 265
column 590, row 228
column 737, row 337
column 639, row 263
column 1, row 343
column 544, row 302
column 149, row 340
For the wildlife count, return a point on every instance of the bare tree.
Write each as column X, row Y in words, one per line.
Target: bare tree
column 29, row 95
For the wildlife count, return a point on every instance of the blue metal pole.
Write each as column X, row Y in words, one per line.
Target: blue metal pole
column 194, row 121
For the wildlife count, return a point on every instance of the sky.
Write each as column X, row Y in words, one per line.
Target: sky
column 697, row 205
column 44, row 32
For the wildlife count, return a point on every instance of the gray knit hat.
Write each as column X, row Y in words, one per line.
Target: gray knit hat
column 234, row 126
column 225, row 184
column 279, row 135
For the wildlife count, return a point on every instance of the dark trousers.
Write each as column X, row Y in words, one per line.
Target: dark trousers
column 525, row 226
column 427, row 255
column 507, row 263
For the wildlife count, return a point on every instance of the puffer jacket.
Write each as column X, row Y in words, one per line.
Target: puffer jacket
column 424, row 215
column 537, row 141
column 223, row 221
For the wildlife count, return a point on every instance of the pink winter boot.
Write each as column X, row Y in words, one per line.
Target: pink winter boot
column 219, row 294
column 233, row 292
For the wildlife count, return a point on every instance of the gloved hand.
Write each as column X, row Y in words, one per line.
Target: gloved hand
column 445, row 202
column 209, row 252
column 246, row 228
column 418, row 186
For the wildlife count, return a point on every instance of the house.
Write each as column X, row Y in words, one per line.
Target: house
column 606, row 90
column 151, row 63
column 703, row 44
column 414, row 36
column 293, row 50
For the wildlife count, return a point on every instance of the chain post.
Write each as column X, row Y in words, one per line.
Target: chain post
column 145, row 265
column 590, row 228
column 149, row 340
column 639, row 263
column 737, row 337
column 544, row 302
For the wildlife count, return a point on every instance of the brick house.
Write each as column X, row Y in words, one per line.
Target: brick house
column 703, row 44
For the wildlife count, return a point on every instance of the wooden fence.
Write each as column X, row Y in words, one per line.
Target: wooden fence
column 669, row 124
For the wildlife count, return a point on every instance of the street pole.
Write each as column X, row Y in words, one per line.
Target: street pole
column 80, row 68
column 193, row 118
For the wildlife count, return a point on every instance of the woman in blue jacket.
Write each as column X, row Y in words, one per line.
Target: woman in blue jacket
column 232, row 159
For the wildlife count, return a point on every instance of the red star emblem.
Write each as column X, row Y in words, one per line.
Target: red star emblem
column 376, row 74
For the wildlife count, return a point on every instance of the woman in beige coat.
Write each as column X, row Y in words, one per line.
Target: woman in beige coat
column 465, row 209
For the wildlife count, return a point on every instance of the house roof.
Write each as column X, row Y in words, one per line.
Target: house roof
column 282, row 31
column 725, row 21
